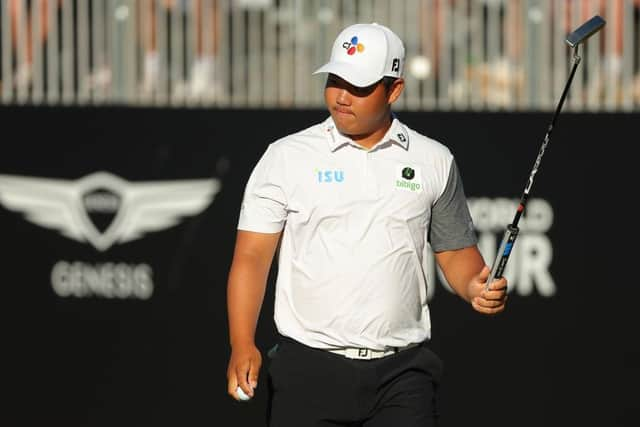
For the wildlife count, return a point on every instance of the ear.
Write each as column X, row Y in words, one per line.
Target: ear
column 395, row 91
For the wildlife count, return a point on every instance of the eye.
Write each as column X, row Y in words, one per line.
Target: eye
column 364, row 91
column 332, row 81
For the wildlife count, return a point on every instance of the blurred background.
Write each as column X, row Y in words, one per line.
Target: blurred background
column 480, row 55
column 130, row 128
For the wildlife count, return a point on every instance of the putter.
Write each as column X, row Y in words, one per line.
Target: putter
column 574, row 40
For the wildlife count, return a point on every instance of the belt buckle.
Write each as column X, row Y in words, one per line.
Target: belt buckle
column 363, row 353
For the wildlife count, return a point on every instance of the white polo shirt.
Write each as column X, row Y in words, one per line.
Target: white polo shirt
column 351, row 271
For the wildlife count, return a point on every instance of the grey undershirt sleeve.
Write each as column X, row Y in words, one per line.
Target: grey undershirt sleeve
column 451, row 224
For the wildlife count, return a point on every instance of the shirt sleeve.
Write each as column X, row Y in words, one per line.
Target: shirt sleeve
column 264, row 203
column 451, row 225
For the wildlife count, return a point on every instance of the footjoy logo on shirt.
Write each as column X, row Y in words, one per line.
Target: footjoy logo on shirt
column 330, row 175
column 408, row 179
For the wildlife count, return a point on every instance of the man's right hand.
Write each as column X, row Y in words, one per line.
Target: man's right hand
column 246, row 286
column 243, row 370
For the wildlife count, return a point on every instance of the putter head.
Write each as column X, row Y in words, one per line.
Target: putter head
column 585, row 31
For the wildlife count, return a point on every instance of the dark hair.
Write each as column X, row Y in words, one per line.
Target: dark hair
column 387, row 81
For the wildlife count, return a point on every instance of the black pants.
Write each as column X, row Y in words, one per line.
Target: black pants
column 315, row 388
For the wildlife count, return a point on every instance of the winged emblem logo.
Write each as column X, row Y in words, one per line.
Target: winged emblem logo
column 135, row 208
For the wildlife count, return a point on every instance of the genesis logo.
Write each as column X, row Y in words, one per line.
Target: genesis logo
column 104, row 209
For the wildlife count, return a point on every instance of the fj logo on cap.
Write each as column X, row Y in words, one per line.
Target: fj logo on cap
column 395, row 66
column 353, row 46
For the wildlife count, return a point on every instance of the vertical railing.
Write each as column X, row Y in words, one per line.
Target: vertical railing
column 461, row 55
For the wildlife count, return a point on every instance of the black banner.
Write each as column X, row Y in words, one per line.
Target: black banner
column 118, row 227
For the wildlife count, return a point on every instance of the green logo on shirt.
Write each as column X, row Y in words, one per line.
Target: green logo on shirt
column 412, row 186
column 408, row 179
column 408, row 173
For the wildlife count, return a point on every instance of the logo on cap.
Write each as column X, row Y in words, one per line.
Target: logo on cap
column 395, row 66
column 353, row 46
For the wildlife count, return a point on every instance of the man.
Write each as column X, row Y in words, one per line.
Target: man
column 354, row 199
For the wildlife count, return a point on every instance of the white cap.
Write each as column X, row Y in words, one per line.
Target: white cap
column 365, row 53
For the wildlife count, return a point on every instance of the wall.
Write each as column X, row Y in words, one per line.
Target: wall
column 117, row 233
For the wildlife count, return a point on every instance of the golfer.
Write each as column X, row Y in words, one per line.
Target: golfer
column 349, row 205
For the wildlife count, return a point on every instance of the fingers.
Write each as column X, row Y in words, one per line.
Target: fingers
column 484, row 273
column 497, row 285
column 232, row 384
column 489, row 303
column 494, row 294
column 493, row 299
column 491, row 307
column 253, row 375
column 245, row 375
column 242, row 374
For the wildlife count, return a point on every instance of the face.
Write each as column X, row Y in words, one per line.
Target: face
column 360, row 112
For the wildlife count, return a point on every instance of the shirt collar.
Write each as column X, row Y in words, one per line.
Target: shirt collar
column 334, row 137
column 396, row 133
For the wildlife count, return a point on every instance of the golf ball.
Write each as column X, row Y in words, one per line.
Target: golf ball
column 241, row 394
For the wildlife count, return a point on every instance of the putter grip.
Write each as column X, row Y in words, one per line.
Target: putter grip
column 500, row 263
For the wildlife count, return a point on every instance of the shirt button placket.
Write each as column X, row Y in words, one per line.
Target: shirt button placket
column 365, row 172
column 370, row 178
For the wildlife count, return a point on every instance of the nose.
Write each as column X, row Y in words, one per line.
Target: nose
column 344, row 97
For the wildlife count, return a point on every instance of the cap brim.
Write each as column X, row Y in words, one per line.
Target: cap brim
column 360, row 77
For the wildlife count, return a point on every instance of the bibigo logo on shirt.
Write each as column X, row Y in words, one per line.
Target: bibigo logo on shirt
column 408, row 178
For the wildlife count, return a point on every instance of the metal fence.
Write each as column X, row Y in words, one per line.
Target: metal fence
column 461, row 54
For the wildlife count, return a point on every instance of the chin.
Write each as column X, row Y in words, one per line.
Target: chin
column 343, row 125
column 346, row 130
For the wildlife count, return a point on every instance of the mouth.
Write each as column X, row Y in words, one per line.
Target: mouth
column 343, row 111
